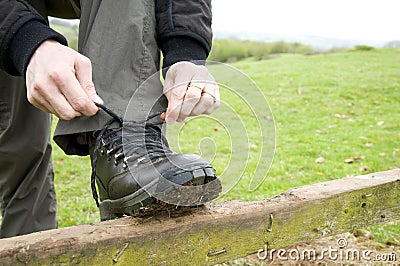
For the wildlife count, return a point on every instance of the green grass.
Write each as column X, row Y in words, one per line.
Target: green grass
column 74, row 197
column 334, row 106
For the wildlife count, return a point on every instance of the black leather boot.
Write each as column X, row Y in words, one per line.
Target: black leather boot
column 139, row 171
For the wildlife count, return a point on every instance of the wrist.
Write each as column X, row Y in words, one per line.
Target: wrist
column 25, row 42
column 178, row 49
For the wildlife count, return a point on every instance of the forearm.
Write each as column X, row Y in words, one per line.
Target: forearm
column 184, row 30
column 22, row 30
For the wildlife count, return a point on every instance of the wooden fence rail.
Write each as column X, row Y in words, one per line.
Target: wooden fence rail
column 218, row 232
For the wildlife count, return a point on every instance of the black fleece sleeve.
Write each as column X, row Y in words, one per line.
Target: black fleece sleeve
column 184, row 30
column 22, row 30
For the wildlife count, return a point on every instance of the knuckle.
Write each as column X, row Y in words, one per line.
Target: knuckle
column 85, row 61
column 38, row 85
column 67, row 116
column 89, row 87
column 78, row 103
column 56, row 76
column 209, row 103
column 192, row 95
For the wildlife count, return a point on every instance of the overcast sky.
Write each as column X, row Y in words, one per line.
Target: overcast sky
column 347, row 19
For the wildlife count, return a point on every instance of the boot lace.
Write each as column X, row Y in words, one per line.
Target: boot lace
column 109, row 141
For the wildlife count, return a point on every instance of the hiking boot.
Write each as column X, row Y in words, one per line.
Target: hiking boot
column 135, row 170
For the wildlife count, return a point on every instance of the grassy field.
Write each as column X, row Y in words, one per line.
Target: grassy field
column 334, row 106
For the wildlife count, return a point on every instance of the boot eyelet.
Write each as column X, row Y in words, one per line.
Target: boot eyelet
column 140, row 155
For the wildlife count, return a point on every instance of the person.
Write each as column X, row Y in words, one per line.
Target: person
column 119, row 48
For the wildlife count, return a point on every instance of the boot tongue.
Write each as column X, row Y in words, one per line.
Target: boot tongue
column 134, row 144
column 112, row 138
column 143, row 143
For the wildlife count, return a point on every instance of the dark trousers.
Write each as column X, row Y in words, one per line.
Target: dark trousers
column 119, row 38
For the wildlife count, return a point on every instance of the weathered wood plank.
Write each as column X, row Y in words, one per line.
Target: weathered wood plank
column 220, row 231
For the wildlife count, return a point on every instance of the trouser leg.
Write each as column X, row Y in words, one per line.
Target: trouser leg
column 120, row 39
column 27, row 195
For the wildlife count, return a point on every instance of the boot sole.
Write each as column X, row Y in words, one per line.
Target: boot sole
column 203, row 187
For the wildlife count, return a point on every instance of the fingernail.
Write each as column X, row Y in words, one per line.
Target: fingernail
column 97, row 99
column 162, row 116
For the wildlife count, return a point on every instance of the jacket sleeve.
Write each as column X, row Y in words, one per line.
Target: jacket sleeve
column 22, row 30
column 184, row 29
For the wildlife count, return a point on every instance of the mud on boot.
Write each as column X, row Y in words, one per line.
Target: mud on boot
column 135, row 170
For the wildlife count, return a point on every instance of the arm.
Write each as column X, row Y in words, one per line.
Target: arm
column 58, row 79
column 22, row 30
column 184, row 30
column 184, row 34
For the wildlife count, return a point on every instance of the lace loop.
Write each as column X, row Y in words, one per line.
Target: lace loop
column 114, row 137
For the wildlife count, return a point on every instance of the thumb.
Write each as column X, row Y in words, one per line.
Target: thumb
column 83, row 70
column 95, row 98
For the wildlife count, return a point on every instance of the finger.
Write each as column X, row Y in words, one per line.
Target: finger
column 74, row 94
column 204, row 105
column 42, row 105
column 163, row 115
column 175, row 98
column 175, row 89
column 63, row 109
column 83, row 68
column 35, row 98
column 192, row 97
column 54, row 102
column 209, row 101
column 213, row 91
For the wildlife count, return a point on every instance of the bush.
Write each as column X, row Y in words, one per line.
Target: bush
column 363, row 48
column 233, row 50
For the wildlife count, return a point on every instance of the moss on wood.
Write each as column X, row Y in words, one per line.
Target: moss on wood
column 219, row 232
